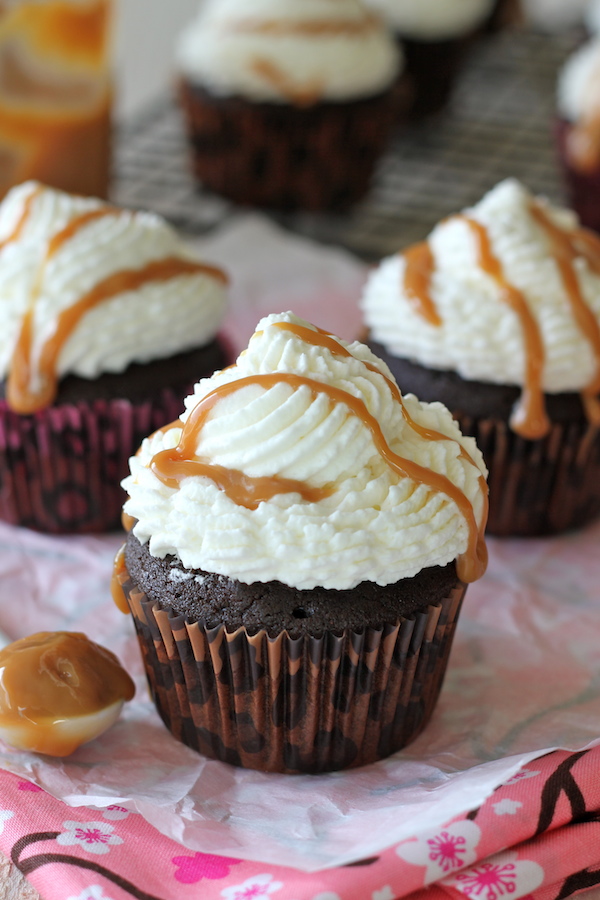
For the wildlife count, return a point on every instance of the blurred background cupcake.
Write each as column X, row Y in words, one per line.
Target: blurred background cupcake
column 288, row 104
column 302, row 543
column 105, row 318
column 434, row 35
column 578, row 130
column 497, row 315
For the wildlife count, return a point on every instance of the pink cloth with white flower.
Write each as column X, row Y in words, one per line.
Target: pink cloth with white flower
column 547, row 815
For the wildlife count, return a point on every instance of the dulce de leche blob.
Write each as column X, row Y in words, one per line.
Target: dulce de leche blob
column 59, row 690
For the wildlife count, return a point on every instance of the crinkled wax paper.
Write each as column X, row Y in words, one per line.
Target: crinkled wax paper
column 524, row 674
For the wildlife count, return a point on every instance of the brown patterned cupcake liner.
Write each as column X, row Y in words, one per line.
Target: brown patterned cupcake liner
column 294, row 704
column 538, row 487
column 286, row 157
column 60, row 468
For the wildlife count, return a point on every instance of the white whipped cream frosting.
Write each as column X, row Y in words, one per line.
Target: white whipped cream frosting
column 154, row 321
column 433, row 20
column 578, row 87
column 317, row 48
column 376, row 525
column 480, row 337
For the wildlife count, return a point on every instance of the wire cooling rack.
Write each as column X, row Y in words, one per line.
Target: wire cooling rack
column 499, row 124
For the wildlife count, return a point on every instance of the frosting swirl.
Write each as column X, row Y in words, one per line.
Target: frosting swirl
column 84, row 285
column 433, row 20
column 302, row 463
column 515, row 286
column 284, row 51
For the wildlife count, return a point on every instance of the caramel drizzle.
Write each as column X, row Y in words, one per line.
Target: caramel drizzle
column 418, row 271
column 566, row 247
column 529, row 418
column 119, row 569
column 170, row 466
column 25, row 213
column 307, row 28
column 274, row 75
column 20, row 395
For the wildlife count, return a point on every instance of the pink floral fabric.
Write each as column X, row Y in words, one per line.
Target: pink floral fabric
column 537, row 837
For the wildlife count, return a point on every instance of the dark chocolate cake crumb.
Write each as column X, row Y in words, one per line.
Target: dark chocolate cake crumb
column 217, row 599
column 474, row 399
column 142, row 381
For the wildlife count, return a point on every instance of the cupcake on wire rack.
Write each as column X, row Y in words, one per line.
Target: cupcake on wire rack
column 578, row 131
column 497, row 315
column 434, row 36
column 288, row 104
column 106, row 318
column 302, row 540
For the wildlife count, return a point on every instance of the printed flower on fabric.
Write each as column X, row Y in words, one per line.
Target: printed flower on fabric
column 506, row 807
column 254, row 888
column 93, row 837
column 30, row 786
column 202, row 865
column 500, row 876
column 442, row 851
column 93, row 892
column 5, row 814
column 522, row 775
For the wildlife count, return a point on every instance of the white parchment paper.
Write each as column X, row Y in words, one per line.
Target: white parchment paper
column 524, row 674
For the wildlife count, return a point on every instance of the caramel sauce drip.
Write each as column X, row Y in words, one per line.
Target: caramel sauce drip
column 25, row 399
column 566, row 247
column 22, row 221
column 127, row 521
column 306, row 28
column 119, row 569
column 529, row 418
column 170, row 466
column 417, row 281
column 50, row 678
column 298, row 95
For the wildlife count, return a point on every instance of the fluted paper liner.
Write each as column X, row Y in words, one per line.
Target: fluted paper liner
column 61, row 468
column 274, row 154
column 538, row 487
column 285, row 704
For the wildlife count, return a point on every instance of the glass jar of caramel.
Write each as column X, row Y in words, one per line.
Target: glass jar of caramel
column 55, row 94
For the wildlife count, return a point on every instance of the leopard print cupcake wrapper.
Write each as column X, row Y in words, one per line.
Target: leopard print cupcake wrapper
column 538, row 487
column 282, row 704
column 61, row 468
column 274, row 155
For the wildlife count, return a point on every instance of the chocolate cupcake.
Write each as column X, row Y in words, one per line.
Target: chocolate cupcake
column 288, row 105
column 435, row 36
column 497, row 315
column 302, row 542
column 107, row 318
column 578, row 131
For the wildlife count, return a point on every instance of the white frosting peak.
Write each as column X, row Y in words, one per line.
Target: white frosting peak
column 480, row 335
column 285, row 51
column 433, row 20
column 579, row 83
column 132, row 325
column 373, row 524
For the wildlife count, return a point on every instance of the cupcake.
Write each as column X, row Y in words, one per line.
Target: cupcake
column 288, row 105
column 303, row 539
column 106, row 318
column 434, row 35
column 578, row 131
column 497, row 315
